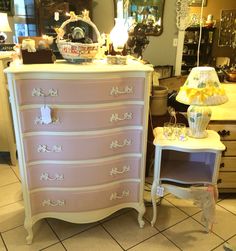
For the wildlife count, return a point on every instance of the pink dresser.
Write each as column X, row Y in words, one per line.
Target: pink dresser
column 88, row 160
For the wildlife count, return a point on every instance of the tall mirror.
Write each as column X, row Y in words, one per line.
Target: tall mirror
column 148, row 13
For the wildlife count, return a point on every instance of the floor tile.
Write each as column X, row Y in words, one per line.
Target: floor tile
column 12, row 216
column 126, row 231
column 7, row 175
column 167, row 215
column 225, row 223
column 67, row 229
column 185, row 205
column 10, row 194
column 2, row 247
column 190, row 235
column 231, row 243
column 56, row 247
column 15, row 239
column 229, row 204
column 157, row 242
column 94, row 239
column 16, row 170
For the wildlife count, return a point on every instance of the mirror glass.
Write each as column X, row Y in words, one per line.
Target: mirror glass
column 148, row 13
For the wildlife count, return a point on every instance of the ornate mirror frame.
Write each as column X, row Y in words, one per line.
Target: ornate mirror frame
column 148, row 13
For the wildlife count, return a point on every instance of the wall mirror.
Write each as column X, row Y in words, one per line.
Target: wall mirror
column 148, row 13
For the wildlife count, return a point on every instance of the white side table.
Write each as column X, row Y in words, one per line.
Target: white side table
column 188, row 169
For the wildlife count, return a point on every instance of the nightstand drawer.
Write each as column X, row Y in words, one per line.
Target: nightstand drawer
column 230, row 148
column 82, row 119
column 83, row 175
column 83, row 91
column 84, row 200
column 80, row 147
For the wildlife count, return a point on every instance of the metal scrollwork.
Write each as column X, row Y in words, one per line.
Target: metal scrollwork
column 116, row 92
column 115, row 171
column 44, row 149
column 39, row 121
column 115, row 196
column 45, row 176
column 115, row 144
column 38, row 92
column 53, row 203
column 126, row 116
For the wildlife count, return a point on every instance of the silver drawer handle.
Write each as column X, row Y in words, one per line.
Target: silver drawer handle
column 53, row 203
column 126, row 116
column 45, row 149
column 115, row 171
column 115, row 196
column 116, row 92
column 38, row 92
column 115, row 144
column 39, row 121
column 45, row 176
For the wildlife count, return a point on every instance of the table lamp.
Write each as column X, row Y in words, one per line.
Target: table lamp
column 4, row 27
column 201, row 90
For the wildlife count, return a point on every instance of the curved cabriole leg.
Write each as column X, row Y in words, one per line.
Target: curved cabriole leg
column 28, row 226
column 140, row 216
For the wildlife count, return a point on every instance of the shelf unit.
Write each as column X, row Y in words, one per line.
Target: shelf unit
column 189, row 56
column 189, row 169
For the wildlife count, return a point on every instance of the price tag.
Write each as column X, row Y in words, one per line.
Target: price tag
column 46, row 114
column 160, row 191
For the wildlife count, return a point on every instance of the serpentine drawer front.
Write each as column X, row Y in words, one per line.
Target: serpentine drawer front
column 227, row 174
column 33, row 91
column 83, row 119
column 81, row 133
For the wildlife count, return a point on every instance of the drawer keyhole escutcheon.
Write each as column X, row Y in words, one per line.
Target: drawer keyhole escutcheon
column 45, row 149
column 45, row 176
column 115, row 91
column 115, row 196
column 115, row 171
column 53, row 203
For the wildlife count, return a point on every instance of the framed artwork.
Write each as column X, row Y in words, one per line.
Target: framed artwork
column 7, row 6
column 198, row 3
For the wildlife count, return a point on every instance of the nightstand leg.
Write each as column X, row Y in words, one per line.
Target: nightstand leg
column 154, row 206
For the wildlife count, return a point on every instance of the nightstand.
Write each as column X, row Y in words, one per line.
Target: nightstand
column 188, row 169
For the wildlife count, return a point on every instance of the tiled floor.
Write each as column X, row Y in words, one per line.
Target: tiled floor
column 178, row 225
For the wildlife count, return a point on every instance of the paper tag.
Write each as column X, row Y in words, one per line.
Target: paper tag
column 46, row 114
column 160, row 191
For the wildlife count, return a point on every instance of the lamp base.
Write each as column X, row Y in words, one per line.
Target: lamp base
column 198, row 119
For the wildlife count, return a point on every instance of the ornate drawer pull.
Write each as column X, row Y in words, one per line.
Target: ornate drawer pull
column 44, row 149
column 115, row 144
column 126, row 116
column 114, row 170
column 38, row 92
column 115, row 196
column 45, row 176
column 224, row 133
column 116, row 92
column 222, row 165
column 53, row 203
column 39, row 121
column 219, row 181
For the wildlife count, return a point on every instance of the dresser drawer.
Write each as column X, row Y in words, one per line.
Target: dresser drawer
column 228, row 164
column 57, row 91
column 79, row 175
column 226, row 131
column 84, row 200
column 227, row 180
column 79, row 147
column 82, row 119
column 230, row 148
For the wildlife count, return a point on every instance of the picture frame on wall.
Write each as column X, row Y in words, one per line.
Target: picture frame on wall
column 198, row 3
column 7, row 6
